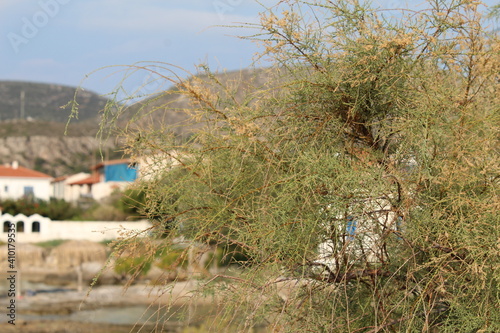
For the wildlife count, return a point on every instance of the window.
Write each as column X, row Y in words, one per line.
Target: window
column 29, row 191
column 6, row 189
column 20, row 226
column 6, row 226
column 35, row 226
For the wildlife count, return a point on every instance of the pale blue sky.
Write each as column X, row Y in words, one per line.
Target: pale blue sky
column 60, row 41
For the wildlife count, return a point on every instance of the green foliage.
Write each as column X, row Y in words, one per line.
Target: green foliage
column 172, row 259
column 119, row 206
column 104, row 212
column 226, row 255
column 59, row 209
column 41, row 165
column 135, row 265
column 51, row 244
column 55, row 209
column 106, row 242
column 361, row 178
column 132, row 202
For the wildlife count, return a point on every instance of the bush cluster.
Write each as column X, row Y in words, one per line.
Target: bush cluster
column 118, row 207
column 361, row 178
column 55, row 209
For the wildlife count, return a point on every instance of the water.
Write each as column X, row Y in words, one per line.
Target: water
column 174, row 317
column 127, row 315
column 24, row 286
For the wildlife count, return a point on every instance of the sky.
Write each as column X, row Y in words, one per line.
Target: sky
column 63, row 41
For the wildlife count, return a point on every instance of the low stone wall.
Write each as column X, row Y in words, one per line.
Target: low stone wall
column 36, row 228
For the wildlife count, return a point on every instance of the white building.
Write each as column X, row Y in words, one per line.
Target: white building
column 105, row 178
column 360, row 236
column 61, row 188
column 17, row 181
column 36, row 228
column 153, row 166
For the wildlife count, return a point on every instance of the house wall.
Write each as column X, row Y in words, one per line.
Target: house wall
column 58, row 189
column 13, row 187
column 102, row 190
column 362, row 236
column 78, row 191
column 153, row 166
column 69, row 230
column 61, row 189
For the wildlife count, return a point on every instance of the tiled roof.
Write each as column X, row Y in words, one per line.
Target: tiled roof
column 21, row 172
column 94, row 179
column 59, row 179
column 122, row 161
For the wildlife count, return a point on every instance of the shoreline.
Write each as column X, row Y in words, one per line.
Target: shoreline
column 53, row 312
column 177, row 293
column 43, row 326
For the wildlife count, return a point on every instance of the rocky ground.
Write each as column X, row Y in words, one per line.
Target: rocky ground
column 47, row 305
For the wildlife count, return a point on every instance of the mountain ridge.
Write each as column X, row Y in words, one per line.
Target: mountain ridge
column 40, row 140
column 46, row 101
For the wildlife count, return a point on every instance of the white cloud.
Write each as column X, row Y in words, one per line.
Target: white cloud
column 143, row 17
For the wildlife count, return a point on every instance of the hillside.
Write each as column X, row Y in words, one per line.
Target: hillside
column 18, row 128
column 53, row 155
column 42, row 101
column 38, row 141
column 171, row 108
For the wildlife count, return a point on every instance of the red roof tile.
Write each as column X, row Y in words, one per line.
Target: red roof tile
column 111, row 162
column 21, row 172
column 94, row 179
column 59, row 179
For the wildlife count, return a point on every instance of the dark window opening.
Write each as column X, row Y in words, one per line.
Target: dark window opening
column 20, row 226
column 6, row 226
column 35, row 226
column 29, row 191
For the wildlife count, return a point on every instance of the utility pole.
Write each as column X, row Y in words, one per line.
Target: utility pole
column 22, row 104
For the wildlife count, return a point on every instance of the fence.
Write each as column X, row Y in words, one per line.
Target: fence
column 36, row 228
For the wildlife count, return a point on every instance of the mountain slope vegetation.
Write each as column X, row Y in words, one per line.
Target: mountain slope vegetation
column 41, row 140
column 42, row 101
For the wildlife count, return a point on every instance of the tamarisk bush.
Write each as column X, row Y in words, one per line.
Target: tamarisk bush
column 359, row 178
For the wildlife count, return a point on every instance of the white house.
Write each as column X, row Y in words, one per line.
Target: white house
column 360, row 236
column 17, row 181
column 152, row 166
column 61, row 188
column 105, row 178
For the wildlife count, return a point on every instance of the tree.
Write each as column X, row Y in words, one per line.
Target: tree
column 361, row 177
